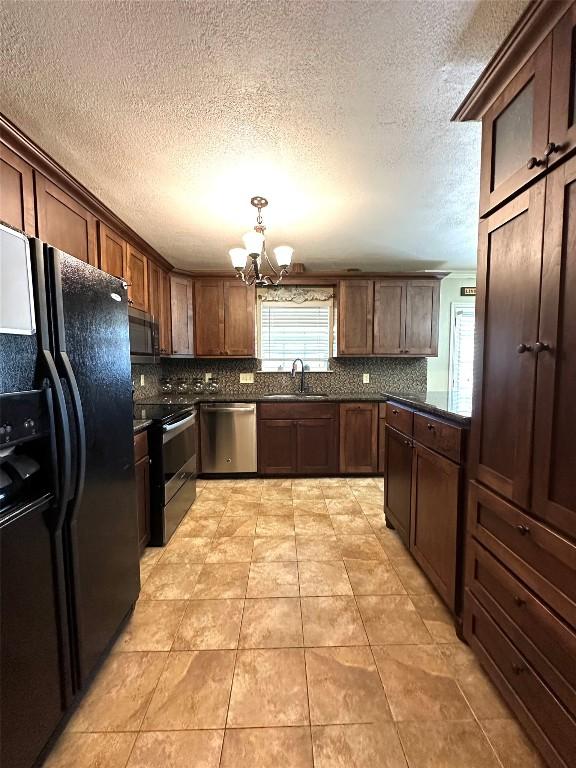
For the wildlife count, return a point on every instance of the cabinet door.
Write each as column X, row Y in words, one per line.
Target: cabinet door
column 239, row 325
column 355, row 317
column 389, row 317
column 509, row 264
column 209, row 317
column 398, row 482
column 16, row 192
column 277, row 447
column 554, row 497
column 137, row 279
column 317, row 446
column 359, row 438
column 515, row 129
column 434, row 519
column 165, row 315
column 142, row 475
column 112, row 252
column 381, row 445
column 563, row 93
column 181, row 295
column 154, row 289
column 422, row 308
column 64, row 223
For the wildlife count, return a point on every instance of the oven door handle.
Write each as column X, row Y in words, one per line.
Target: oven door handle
column 179, row 425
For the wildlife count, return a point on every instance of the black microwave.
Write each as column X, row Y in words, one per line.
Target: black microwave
column 144, row 337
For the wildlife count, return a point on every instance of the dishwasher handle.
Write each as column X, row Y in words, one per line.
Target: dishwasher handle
column 229, row 408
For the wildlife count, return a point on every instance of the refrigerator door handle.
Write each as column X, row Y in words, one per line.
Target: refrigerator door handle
column 65, row 370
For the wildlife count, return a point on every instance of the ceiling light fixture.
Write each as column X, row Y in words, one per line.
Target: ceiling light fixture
column 250, row 272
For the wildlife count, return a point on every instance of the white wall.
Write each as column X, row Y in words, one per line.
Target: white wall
column 438, row 367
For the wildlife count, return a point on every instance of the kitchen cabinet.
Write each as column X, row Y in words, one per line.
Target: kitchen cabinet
column 298, row 438
column 64, row 222
column 398, row 482
column 112, row 252
column 137, row 279
column 182, row 313
column 562, row 133
column 142, row 478
column 381, row 437
column 359, row 438
column 388, row 317
column 166, row 315
column 224, row 318
column 355, row 317
column 159, row 303
column 17, row 205
column 434, row 519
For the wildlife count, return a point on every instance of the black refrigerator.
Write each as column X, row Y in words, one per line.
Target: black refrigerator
column 69, row 560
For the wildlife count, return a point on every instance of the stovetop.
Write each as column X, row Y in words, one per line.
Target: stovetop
column 160, row 412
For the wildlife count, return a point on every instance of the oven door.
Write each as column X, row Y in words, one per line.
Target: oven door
column 144, row 337
column 179, row 448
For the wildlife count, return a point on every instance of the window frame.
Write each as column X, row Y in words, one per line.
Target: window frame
column 455, row 307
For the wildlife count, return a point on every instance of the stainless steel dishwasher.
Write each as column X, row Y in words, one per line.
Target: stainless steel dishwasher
column 228, row 437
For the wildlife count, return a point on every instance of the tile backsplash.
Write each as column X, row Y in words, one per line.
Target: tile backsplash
column 386, row 374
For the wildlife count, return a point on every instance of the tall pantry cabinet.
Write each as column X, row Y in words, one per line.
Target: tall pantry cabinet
column 520, row 598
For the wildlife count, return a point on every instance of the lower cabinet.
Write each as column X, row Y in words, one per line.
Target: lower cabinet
column 398, row 482
column 434, row 519
column 359, row 438
column 142, row 476
column 298, row 439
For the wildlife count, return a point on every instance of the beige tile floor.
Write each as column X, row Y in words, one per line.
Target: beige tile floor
column 285, row 626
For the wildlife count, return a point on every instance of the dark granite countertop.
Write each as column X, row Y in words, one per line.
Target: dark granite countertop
column 451, row 405
column 141, row 424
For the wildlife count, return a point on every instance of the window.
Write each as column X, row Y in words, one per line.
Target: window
column 462, row 347
column 288, row 330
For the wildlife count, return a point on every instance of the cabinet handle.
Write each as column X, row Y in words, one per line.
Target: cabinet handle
column 395, row 411
column 518, row 669
column 431, row 427
column 407, row 442
column 520, row 602
column 552, row 149
column 521, row 348
column 534, row 162
column 541, row 346
column 522, row 529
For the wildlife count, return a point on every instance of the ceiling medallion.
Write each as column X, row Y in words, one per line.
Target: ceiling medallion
column 249, row 261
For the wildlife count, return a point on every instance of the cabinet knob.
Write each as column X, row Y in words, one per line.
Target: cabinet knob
column 518, row 669
column 521, row 348
column 522, row 529
column 552, row 149
column 520, row 602
column 431, row 427
column 407, row 442
column 395, row 411
column 534, row 162
column 541, row 346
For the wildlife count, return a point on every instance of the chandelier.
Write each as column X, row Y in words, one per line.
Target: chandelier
column 250, row 260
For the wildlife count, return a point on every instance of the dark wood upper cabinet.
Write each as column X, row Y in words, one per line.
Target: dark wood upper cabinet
column 166, row 315
column 389, row 317
column 209, row 318
column 112, row 252
column 359, row 438
column 17, row 207
column 64, row 223
column 239, row 322
column 137, row 278
column 398, row 482
column 515, row 131
column 355, row 317
column 422, row 309
column 563, row 89
column 154, row 289
column 554, row 496
column 434, row 519
column 182, row 314
column 510, row 243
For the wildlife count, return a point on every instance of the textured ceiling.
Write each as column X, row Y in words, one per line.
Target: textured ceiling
column 175, row 113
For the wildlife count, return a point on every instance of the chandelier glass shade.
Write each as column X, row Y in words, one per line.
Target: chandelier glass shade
column 253, row 258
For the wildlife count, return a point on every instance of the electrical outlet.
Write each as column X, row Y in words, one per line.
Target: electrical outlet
column 207, row 376
column 142, row 380
column 246, row 378
column 365, row 378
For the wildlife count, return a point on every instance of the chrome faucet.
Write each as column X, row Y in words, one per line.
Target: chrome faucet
column 299, row 359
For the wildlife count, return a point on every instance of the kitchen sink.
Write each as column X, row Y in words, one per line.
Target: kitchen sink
column 296, row 395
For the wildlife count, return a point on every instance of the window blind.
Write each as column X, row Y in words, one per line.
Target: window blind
column 288, row 331
column 463, row 348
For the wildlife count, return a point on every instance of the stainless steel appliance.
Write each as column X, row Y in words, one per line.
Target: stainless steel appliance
column 173, row 448
column 228, row 437
column 144, row 337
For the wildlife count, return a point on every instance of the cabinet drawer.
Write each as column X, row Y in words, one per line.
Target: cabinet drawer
column 438, row 435
column 550, row 725
column 140, row 446
column 547, row 642
column 541, row 558
column 298, row 410
column 399, row 417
